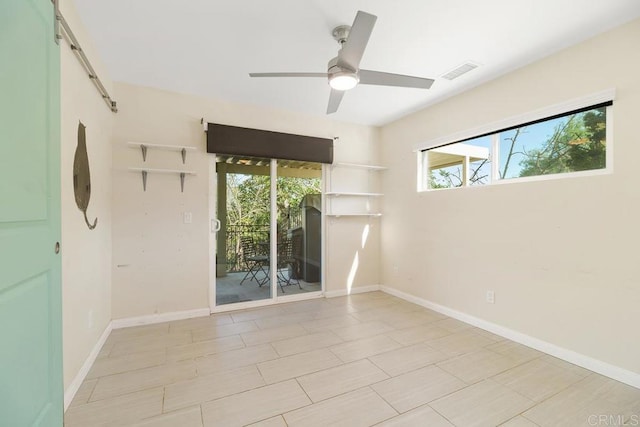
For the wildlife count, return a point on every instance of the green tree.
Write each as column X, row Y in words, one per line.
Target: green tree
column 590, row 152
column 248, row 207
column 576, row 144
column 247, row 200
column 248, row 197
column 445, row 177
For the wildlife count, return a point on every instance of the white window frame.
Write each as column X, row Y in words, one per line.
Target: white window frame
column 541, row 114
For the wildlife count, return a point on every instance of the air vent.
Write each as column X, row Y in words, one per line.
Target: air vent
column 460, row 70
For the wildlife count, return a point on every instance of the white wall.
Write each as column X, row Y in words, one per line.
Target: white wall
column 86, row 254
column 562, row 255
column 160, row 265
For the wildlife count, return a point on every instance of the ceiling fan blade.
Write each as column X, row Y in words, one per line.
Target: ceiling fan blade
column 352, row 50
column 325, row 75
column 334, row 100
column 369, row 77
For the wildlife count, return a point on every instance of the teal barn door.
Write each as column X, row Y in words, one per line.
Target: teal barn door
column 31, row 387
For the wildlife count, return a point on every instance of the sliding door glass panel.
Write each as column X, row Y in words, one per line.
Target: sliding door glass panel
column 299, row 233
column 243, row 242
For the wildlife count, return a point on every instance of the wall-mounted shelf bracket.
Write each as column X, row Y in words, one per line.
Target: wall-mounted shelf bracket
column 145, row 172
column 144, row 147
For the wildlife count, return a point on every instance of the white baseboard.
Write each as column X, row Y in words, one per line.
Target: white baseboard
column 71, row 391
column 595, row 365
column 159, row 318
column 298, row 297
column 356, row 290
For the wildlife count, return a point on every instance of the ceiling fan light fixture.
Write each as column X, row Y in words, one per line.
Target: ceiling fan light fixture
column 344, row 72
column 343, row 80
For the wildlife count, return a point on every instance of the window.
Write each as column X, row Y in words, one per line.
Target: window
column 459, row 165
column 571, row 142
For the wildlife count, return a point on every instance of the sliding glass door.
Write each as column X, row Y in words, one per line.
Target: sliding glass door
column 299, row 213
column 244, row 238
column 269, row 242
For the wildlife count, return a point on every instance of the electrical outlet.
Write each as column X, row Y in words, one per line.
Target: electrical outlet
column 188, row 217
column 491, row 297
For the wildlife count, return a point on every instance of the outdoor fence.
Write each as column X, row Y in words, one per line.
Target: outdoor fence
column 258, row 234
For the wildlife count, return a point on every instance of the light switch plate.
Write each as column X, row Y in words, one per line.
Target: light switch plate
column 491, row 297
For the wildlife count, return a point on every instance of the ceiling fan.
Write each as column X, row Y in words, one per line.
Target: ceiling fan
column 344, row 71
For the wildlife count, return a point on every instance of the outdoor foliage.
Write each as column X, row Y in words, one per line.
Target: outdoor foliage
column 574, row 143
column 248, row 206
column 248, row 200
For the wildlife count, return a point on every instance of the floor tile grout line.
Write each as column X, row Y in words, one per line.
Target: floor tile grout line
column 341, row 394
column 92, row 390
column 445, row 395
column 261, row 375
column 305, row 393
column 165, row 363
column 384, row 400
column 149, row 387
column 485, row 378
column 519, row 415
column 131, row 370
column 550, row 396
column 547, row 363
column 381, row 368
column 442, row 415
column 241, row 392
column 164, row 395
column 528, row 419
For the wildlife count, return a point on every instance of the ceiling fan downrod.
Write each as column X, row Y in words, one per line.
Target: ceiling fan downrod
column 341, row 33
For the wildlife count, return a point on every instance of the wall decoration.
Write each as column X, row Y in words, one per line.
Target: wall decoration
column 81, row 176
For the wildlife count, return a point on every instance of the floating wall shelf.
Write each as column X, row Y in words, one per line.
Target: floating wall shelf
column 146, row 171
column 182, row 149
column 360, row 166
column 345, row 205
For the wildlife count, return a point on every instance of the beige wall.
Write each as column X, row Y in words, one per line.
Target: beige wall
column 86, row 254
column 160, row 264
column 561, row 255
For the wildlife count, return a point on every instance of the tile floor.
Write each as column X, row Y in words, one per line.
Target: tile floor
column 364, row 360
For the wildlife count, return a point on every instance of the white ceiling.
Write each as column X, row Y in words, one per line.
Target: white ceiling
column 208, row 47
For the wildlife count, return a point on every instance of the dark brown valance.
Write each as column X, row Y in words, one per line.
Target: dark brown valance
column 224, row 139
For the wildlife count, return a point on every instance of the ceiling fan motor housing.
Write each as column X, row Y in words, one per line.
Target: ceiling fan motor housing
column 341, row 78
column 333, row 67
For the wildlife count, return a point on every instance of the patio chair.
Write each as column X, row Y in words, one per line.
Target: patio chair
column 254, row 261
column 287, row 264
